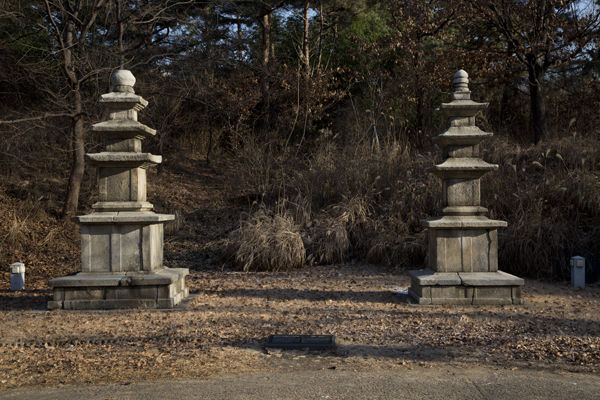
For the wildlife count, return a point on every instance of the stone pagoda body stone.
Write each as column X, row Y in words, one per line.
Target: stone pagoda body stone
column 462, row 257
column 122, row 239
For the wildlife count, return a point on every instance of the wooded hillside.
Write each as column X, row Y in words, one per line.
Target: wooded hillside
column 299, row 132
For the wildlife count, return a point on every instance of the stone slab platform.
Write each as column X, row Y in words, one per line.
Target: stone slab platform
column 429, row 287
column 164, row 288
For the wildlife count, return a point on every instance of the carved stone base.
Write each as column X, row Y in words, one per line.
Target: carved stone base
column 429, row 287
column 164, row 288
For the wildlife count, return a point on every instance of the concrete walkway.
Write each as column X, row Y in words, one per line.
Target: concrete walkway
column 445, row 383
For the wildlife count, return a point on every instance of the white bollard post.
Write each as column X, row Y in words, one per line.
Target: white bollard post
column 17, row 276
column 578, row 272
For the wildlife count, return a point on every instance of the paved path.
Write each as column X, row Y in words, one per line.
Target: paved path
column 445, row 383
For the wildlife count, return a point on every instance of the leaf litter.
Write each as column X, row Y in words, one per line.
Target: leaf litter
column 222, row 330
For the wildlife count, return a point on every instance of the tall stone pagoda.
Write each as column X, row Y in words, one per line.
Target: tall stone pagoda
column 122, row 239
column 462, row 259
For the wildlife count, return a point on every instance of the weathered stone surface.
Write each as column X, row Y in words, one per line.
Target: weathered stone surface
column 122, row 240
column 466, row 222
column 17, row 276
column 164, row 276
column 463, row 243
column 498, row 278
column 121, row 206
column 121, row 247
column 122, row 80
column 429, row 287
column 123, row 218
column 463, row 167
column 456, row 250
column 426, row 277
column 462, row 135
column 123, row 129
column 84, row 291
column 127, row 159
column 461, row 192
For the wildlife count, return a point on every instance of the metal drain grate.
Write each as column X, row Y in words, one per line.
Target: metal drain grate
column 310, row 342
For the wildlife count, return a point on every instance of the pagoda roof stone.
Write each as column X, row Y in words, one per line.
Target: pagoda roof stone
column 123, row 100
column 123, row 128
column 462, row 135
column 462, row 167
column 139, row 160
column 464, row 221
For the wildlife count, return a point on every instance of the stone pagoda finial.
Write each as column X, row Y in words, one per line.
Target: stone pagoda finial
column 462, row 260
column 461, row 81
column 122, row 80
column 461, row 86
column 122, row 239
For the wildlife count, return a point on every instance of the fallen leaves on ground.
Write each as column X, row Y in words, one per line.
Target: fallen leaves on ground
column 223, row 327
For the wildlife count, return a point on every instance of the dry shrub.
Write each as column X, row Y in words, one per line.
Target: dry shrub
column 330, row 243
column 397, row 251
column 345, row 200
column 29, row 234
column 337, row 229
column 267, row 242
column 550, row 196
column 351, row 202
column 17, row 232
column 301, row 207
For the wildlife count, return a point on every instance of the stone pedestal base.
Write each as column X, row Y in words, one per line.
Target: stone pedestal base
column 164, row 288
column 429, row 287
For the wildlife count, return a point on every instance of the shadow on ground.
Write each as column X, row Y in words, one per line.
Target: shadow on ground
column 24, row 300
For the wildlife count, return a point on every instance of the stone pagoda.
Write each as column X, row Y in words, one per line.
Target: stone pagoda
column 462, row 259
column 122, row 239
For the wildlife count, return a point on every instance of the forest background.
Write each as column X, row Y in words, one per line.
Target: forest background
column 306, row 126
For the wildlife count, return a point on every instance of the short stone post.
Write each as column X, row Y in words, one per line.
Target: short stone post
column 17, row 276
column 122, row 239
column 462, row 257
column 578, row 272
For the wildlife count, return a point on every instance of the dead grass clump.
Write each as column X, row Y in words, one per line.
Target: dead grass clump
column 17, row 232
column 584, row 192
column 267, row 242
column 330, row 244
column 337, row 230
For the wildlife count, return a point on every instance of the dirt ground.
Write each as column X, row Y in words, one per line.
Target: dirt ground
column 222, row 328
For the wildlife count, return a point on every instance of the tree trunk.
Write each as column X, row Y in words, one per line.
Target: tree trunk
column 305, row 47
column 420, row 119
column 240, row 54
column 504, row 105
column 78, row 166
column 320, row 46
column 121, row 30
column 419, row 111
column 265, row 23
column 536, row 99
column 78, row 132
column 507, row 92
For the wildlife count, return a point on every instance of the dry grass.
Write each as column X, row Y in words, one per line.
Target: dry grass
column 47, row 245
column 347, row 202
column 350, row 202
column 336, row 202
column 267, row 242
column 549, row 196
